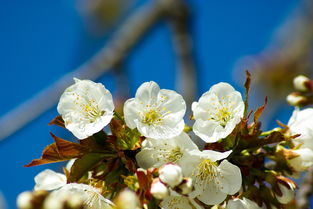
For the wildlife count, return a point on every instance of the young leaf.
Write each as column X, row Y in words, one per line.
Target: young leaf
column 60, row 150
column 84, row 164
column 57, row 121
column 259, row 111
column 247, row 87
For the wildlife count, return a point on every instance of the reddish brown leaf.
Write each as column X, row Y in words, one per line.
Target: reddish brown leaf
column 259, row 111
column 247, row 87
column 58, row 151
column 57, row 121
column 69, row 149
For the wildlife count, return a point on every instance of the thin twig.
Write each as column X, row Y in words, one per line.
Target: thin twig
column 116, row 49
column 305, row 190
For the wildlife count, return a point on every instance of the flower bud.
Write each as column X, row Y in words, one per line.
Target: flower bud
column 185, row 187
column 24, row 200
column 287, row 191
column 127, row 199
column 296, row 99
column 301, row 83
column 171, row 174
column 158, row 189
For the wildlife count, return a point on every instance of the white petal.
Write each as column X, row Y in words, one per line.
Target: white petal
column 288, row 194
column 148, row 92
column 242, row 204
column 211, row 195
column 162, row 131
column 49, row 180
column 301, row 123
column 304, row 161
column 172, row 103
column 91, row 196
column 206, row 130
column 180, row 202
column 149, row 158
column 131, row 113
column 214, row 156
column 222, row 89
column 155, row 151
column 231, row 179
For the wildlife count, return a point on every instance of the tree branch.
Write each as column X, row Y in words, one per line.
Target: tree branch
column 116, row 49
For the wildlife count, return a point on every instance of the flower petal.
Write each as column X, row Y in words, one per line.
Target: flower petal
column 49, row 180
column 147, row 92
column 211, row 195
column 230, row 179
column 131, row 113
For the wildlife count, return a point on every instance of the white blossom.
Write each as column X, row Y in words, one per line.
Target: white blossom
column 49, row 180
column 213, row 181
column 243, row 203
column 299, row 82
column 155, row 113
column 302, row 162
column 301, row 123
column 288, row 193
column 127, row 199
column 217, row 113
column 171, row 174
column 156, row 153
column 178, row 201
column 86, row 107
column 158, row 189
column 186, row 186
column 91, row 196
column 24, row 200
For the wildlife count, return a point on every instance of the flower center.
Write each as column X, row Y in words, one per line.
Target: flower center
column 152, row 117
column 205, row 172
column 92, row 112
column 223, row 116
column 175, row 155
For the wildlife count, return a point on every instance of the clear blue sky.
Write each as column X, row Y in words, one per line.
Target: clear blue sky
column 40, row 40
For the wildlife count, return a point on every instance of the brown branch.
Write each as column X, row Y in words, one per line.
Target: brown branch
column 116, row 49
column 186, row 77
column 305, row 190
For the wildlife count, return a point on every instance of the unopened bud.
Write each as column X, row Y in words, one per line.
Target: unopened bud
column 24, row 200
column 127, row 199
column 75, row 201
column 171, row 174
column 294, row 99
column 287, row 192
column 185, row 187
column 301, row 83
column 158, row 189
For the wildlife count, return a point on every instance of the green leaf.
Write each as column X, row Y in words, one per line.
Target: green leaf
column 86, row 163
column 126, row 138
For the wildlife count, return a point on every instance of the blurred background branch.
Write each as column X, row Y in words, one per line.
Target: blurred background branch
column 111, row 56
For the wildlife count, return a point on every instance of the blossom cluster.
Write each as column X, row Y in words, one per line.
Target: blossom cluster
column 148, row 158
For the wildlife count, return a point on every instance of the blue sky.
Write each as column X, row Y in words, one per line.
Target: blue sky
column 40, row 40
